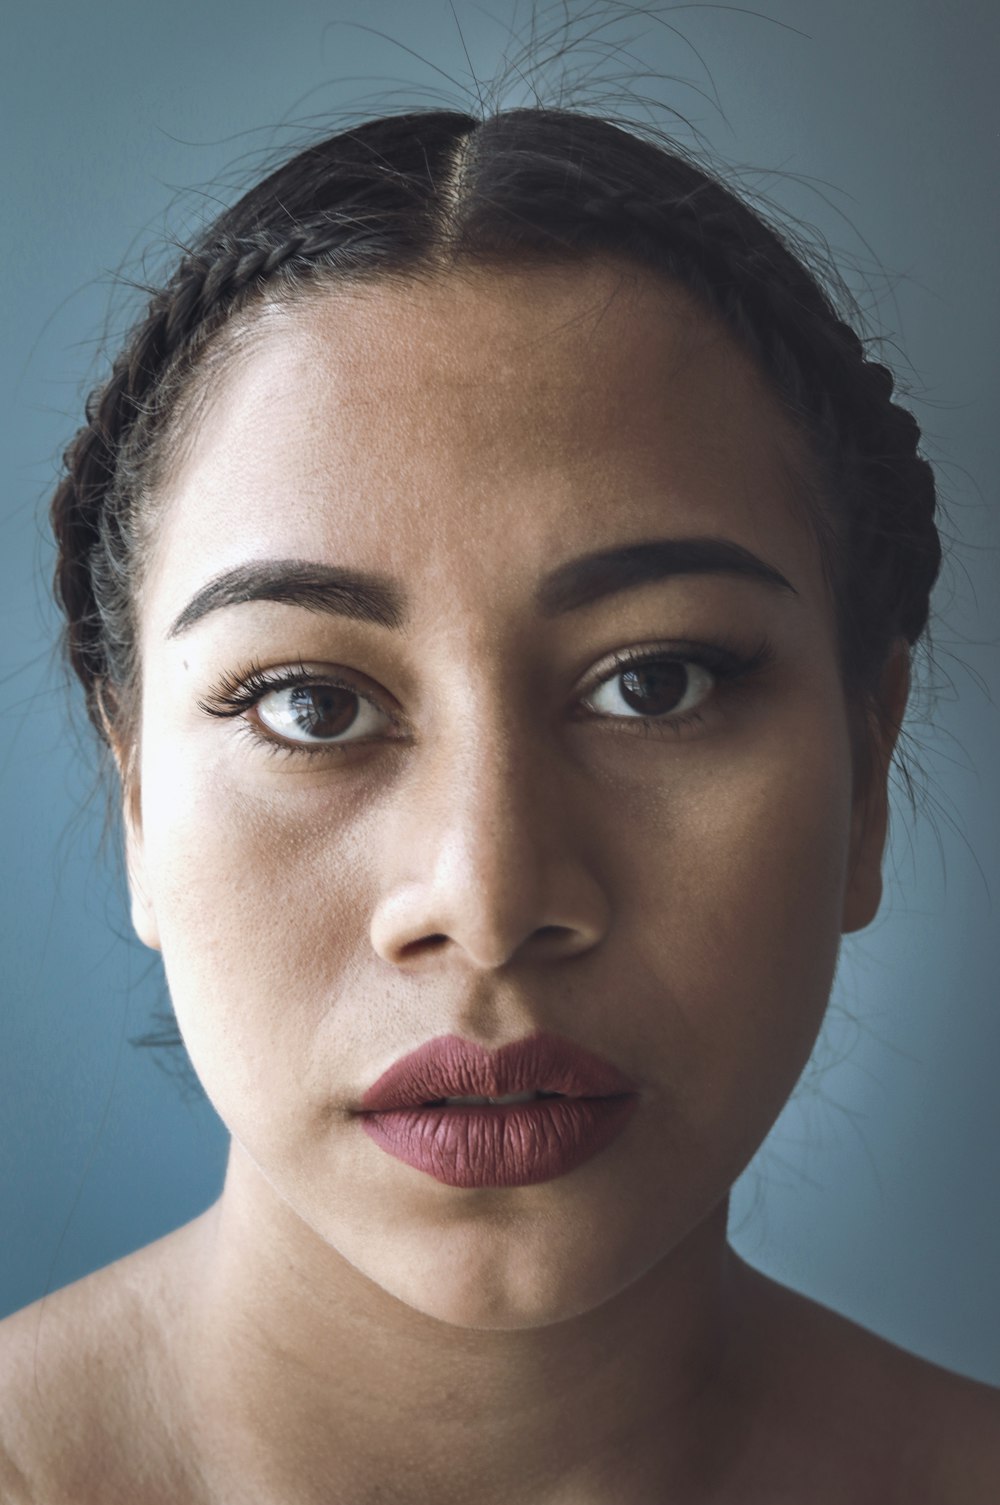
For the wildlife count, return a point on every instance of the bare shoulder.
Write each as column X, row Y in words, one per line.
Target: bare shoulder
column 961, row 1422
column 84, row 1386
column 909, row 1428
column 970, row 1453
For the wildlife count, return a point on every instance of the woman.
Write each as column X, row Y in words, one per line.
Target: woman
column 495, row 569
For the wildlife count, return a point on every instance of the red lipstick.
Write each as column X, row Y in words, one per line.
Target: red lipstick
column 498, row 1145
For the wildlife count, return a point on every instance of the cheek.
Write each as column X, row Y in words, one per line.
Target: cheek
column 260, row 907
column 740, row 895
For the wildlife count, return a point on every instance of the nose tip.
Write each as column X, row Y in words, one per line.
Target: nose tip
column 490, row 926
column 489, row 944
column 483, row 857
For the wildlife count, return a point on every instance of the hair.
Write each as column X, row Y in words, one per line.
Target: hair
column 432, row 191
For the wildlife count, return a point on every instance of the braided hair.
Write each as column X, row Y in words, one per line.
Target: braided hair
column 414, row 195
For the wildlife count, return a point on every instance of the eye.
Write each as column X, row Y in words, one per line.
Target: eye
column 663, row 689
column 297, row 710
column 652, row 688
column 319, row 713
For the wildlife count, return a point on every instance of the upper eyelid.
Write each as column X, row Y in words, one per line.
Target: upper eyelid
column 606, row 669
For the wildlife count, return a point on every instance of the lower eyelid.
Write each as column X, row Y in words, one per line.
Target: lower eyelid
column 277, row 746
column 728, row 666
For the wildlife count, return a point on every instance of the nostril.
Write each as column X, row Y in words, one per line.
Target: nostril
column 425, row 943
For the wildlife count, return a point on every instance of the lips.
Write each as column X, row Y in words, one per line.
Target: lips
column 490, row 1145
column 450, row 1066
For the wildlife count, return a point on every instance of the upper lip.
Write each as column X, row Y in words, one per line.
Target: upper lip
column 450, row 1066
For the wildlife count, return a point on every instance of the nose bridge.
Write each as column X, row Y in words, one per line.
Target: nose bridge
column 486, row 765
column 487, row 771
column 481, row 713
column 480, row 850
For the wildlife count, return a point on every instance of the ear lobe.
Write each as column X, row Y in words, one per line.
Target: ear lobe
column 870, row 814
column 863, row 894
column 143, row 915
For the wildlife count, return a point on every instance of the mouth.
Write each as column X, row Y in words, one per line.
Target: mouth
column 493, row 1102
column 452, row 1071
column 518, row 1139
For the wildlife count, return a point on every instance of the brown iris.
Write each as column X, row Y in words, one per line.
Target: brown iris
column 665, row 681
column 322, row 710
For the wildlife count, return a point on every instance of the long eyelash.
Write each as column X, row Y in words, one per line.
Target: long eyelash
column 239, row 691
column 724, row 659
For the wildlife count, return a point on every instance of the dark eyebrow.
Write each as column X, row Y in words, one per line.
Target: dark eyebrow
column 297, row 582
column 366, row 597
column 594, row 576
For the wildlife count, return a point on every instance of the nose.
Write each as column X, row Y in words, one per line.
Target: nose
column 485, row 851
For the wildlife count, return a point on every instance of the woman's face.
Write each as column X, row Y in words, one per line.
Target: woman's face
column 497, row 843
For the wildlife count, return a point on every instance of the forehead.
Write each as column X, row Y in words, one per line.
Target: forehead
column 476, row 427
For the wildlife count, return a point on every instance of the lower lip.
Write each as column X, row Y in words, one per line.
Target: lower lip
column 472, row 1145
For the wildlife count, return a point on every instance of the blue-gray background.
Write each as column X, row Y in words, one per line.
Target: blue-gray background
column 878, row 1191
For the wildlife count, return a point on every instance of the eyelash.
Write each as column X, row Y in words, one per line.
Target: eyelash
column 730, row 666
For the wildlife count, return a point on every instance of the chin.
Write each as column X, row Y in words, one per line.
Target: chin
column 517, row 1270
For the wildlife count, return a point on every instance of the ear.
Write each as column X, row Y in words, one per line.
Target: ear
column 143, row 914
column 127, row 763
column 870, row 814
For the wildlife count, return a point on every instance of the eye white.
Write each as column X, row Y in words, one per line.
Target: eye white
column 302, row 713
column 287, row 710
column 700, row 682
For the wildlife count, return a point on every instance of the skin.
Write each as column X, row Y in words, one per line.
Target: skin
column 339, row 1325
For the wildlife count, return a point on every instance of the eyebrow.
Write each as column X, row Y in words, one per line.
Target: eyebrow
column 381, row 601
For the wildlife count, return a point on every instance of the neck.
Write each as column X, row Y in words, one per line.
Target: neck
column 303, row 1372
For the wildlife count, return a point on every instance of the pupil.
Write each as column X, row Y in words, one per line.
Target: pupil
column 663, row 681
column 320, row 710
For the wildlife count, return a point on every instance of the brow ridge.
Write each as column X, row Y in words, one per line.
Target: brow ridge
column 380, row 601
